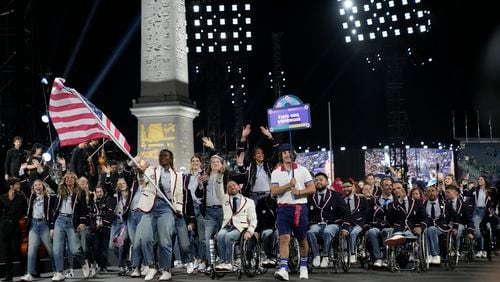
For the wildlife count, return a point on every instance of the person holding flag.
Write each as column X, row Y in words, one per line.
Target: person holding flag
column 157, row 214
column 292, row 184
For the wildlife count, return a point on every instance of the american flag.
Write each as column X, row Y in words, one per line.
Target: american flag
column 76, row 120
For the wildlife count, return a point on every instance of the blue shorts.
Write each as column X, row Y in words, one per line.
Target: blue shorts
column 293, row 218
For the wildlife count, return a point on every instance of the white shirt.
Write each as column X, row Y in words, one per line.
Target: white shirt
column 481, row 198
column 281, row 176
column 437, row 208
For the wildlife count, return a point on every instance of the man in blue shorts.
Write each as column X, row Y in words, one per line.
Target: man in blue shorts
column 292, row 184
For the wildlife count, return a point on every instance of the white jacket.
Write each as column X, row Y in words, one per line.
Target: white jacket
column 149, row 192
column 244, row 218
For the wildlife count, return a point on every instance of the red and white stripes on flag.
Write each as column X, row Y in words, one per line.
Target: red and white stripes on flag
column 76, row 120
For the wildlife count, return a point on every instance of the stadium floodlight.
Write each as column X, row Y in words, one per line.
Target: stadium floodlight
column 342, row 148
column 385, row 19
column 227, row 24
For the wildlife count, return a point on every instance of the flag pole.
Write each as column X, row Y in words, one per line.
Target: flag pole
column 113, row 138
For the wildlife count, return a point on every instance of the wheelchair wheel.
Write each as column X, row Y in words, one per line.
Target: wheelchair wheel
column 422, row 253
column 451, row 251
column 214, row 274
column 250, row 256
column 362, row 251
column 469, row 249
column 391, row 259
column 344, row 252
column 293, row 255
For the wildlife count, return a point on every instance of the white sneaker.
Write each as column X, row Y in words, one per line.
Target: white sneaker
column 479, row 254
column 384, row 264
column 177, row 264
column 324, row 262
column 316, row 261
column 144, row 270
column 166, row 276
column 86, row 269
column 377, row 263
column 304, row 273
column 189, row 268
column 436, row 260
column 70, row 274
column 281, row 274
column 228, row 266
column 136, row 273
column 58, row 276
column 346, row 259
column 150, row 274
column 428, row 260
column 93, row 270
column 219, row 266
column 353, row 258
column 202, row 267
column 484, row 254
column 27, row 278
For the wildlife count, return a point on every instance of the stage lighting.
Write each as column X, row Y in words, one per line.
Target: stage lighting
column 342, row 148
column 383, row 17
column 45, row 118
column 219, row 25
column 46, row 157
column 364, row 147
column 44, row 81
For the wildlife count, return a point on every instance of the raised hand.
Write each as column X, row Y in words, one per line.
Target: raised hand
column 266, row 132
column 207, row 142
column 245, row 132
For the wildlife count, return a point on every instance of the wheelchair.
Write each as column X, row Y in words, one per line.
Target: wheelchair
column 246, row 257
column 338, row 255
column 400, row 256
column 362, row 252
column 450, row 252
column 468, row 247
column 490, row 243
column 293, row 256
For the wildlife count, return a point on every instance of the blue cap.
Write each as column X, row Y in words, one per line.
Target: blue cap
column 285, row 147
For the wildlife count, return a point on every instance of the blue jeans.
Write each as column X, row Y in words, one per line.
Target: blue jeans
column 213, row 222
column 432, row 236
column 353, row 234
column 197, row 244
column 39, row 233
column 132, row 222
column 182, row 239
column 122, row 252
column 477, row 217
column 161, row 219
column 84, row 237
column 269, row 239
column 327, row 232
column 63, row 229
column 373, row 237
column 225, row 239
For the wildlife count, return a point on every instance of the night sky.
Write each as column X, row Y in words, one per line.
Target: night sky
column 319, row 67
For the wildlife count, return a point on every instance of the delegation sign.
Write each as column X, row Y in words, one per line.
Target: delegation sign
column 289, row 113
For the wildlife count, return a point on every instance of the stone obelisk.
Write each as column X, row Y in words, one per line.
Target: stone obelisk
column 164, row 111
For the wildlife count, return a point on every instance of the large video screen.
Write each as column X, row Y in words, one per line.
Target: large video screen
column 422, row 163
column 318, row 161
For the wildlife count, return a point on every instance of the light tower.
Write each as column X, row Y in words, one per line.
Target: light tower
column 386, row 30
